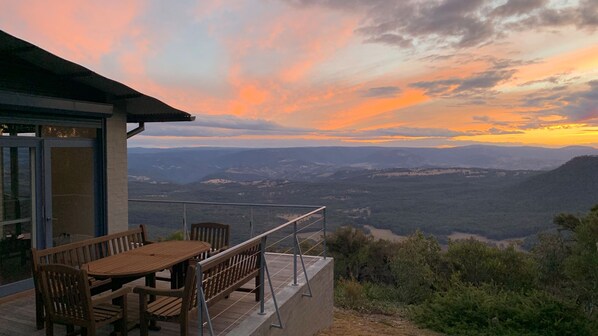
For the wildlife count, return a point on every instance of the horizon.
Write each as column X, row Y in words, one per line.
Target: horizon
column 302, row 73
column 364, row 146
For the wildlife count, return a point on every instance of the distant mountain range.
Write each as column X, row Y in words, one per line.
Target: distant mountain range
column 187, row 165
column 496, row 203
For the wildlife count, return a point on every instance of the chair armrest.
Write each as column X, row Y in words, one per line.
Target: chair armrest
column 109, row 297
column 144, row 290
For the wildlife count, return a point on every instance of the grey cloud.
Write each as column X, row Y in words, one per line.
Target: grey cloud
column 409, row 132
column 223, row 125
column 577, row 107
column 479, row 83
column 583, row 107
column 231, row 126
column 552, row 79
column 477, row 102
column 382, row 91
column 233, row 122
column 481, row 118
column 585, row 15
column 517, row 7
column 458, row 23
column 484, row 80
column 498, row 131
column 542, row 100
column 391, row 39
column 487, row 120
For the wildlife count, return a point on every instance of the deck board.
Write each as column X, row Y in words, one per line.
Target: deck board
column 17, row 313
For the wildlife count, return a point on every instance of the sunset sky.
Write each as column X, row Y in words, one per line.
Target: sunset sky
column 277, row 73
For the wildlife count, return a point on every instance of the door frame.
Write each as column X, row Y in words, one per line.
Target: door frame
column 41, row 233
column 37, row 229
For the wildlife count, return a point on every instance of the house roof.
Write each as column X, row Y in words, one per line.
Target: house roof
column 139, row 107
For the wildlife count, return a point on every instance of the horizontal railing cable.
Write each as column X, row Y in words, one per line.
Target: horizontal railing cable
column 269, row 205
column 283, row 261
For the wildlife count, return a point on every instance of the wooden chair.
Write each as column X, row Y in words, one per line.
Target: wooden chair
column 169, row 305
column 218, row 235
column 79, row 253
column 221, row 276
column 67, row 299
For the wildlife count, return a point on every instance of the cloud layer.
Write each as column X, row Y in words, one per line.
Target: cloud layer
column 334, row 72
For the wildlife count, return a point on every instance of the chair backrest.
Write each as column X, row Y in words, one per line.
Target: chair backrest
column 66, row 294
column 225, row 272
column 218, row 235
column 79, row 253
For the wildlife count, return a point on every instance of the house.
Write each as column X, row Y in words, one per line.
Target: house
column 63, row 150
column 63, row 178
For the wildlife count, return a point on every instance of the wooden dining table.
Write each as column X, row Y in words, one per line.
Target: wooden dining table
column 147, row 260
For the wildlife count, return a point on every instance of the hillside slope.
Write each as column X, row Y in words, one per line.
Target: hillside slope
column 573, row 186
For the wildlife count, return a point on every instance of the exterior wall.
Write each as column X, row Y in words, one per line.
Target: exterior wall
column 301, row 315
column 116, row 172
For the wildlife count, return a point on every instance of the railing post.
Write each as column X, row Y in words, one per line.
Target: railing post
column 262, row 275
column 202, row 306
column 250, row 222
column 324, row 228
column 185, row 231
column 295, row 247
column 200, row 298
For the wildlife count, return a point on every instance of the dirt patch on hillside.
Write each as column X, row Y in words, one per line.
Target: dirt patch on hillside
column 351, row 323
column 384, row 234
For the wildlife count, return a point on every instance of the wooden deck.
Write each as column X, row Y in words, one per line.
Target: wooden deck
column 17, row 312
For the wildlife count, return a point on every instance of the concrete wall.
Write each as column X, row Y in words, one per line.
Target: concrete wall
column 116, row 181
column 301, row 315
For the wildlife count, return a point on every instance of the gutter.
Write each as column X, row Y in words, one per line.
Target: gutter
column 136, row 130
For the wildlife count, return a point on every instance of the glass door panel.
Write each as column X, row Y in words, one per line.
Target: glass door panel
column 73, row 214
column 17, row 212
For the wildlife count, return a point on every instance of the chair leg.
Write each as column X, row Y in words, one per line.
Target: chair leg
column 123, row 323
column 70, row 329
column 185, row 325
column 49, row 328
column 143, row 327
column 39, row 311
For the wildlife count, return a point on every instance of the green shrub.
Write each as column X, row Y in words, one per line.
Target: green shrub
column 477, row 263
column 415, row 268
column 487, row 310
column 581, row 266
column 349, row 248
column 550, row 253
column 177, row 235
column 367, row 298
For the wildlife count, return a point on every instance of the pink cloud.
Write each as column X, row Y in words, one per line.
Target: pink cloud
column 83, row 31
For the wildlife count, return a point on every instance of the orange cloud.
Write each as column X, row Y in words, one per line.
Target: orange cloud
column 374, row 107
column 578, row 61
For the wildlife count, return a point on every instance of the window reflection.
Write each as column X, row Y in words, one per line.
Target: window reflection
column 68, row 132
column 17, row 130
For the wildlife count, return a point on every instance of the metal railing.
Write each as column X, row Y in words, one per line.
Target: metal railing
column 283, row 245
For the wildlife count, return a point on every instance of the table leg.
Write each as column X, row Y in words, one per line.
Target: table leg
column 177, row 279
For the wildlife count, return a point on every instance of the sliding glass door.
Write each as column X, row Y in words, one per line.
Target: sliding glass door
column 19, row 209
column 50, row 194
